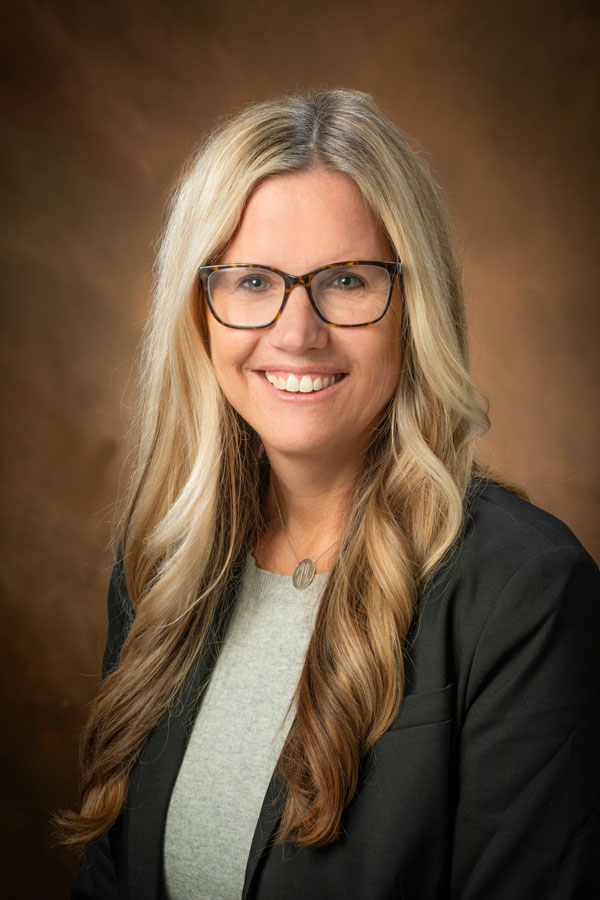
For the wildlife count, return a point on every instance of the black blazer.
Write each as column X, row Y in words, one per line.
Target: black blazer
column 485, row 787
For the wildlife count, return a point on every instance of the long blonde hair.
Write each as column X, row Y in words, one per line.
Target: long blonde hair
column 193, row 509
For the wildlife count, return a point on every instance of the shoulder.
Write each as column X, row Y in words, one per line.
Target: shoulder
column 515, row 568
column 505, row 534
column 120, row 615
column 506, row 521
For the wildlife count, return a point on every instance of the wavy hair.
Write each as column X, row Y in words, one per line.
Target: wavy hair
column 193, row 508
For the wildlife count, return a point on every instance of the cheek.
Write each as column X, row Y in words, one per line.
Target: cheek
column 382, row 364
column 392, row 353
column 229, row 352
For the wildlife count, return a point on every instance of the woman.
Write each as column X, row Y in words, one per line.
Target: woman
column 340, row 662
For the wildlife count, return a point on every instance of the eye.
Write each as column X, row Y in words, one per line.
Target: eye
column 345, row 281
column 253, row 283
column 348, row 281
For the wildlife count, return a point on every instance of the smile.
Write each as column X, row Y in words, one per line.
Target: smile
column 305, row 384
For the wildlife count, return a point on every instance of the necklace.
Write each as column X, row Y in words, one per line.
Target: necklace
column 305, row 568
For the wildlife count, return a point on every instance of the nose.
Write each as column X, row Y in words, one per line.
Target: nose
column 299, row 327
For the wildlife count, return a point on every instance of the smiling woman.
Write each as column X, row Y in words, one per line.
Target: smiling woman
column 342, row 660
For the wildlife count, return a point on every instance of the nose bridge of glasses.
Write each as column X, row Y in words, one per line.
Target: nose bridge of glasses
column 294, row 281
column 304, row 280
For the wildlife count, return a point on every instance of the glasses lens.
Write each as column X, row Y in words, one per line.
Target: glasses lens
column 352, row 295
column 246, row 296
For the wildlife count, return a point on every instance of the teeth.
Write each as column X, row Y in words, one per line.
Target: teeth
column 305, row 385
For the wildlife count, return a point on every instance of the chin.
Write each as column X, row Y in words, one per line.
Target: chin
column 294, row 448
column 304, row 445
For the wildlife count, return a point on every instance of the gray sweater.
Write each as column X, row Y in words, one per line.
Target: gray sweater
column 239, row 732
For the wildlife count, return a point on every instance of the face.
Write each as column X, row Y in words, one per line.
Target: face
column 296, row 223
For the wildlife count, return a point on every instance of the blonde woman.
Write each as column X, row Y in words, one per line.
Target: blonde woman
column 341, row 662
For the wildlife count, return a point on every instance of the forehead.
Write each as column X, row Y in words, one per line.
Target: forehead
column 302, row 220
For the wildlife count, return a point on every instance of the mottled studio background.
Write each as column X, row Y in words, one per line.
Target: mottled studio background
column 101, row 102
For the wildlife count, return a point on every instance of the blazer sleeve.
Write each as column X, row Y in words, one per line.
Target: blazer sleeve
column 528, row 792
column 97, row 879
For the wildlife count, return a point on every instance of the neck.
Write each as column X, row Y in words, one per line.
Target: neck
column 313, row 493
column 313, row 497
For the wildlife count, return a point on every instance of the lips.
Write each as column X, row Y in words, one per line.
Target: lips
column 304, row 384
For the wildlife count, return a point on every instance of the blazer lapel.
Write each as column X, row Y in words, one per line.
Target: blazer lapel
column 264, row 834
column 153, row 777
column 151, row 785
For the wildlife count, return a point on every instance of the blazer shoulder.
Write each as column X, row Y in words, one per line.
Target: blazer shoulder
column 515, row 560
column 504, row 525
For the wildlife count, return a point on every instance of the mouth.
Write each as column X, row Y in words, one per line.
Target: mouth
column 302, row 384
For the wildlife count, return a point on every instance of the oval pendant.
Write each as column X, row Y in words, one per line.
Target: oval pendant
column 303, row 574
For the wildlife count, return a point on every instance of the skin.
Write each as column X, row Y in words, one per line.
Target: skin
column 315, row 441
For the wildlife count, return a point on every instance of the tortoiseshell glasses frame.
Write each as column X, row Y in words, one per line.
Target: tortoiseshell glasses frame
column 394, row 269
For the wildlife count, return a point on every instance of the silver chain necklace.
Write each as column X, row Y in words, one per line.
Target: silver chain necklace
column 305, row 568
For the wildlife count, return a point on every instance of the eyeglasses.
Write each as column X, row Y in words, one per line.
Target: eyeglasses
column 343, row 294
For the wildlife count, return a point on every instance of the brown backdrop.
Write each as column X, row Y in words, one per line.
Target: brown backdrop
column 101, row 103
